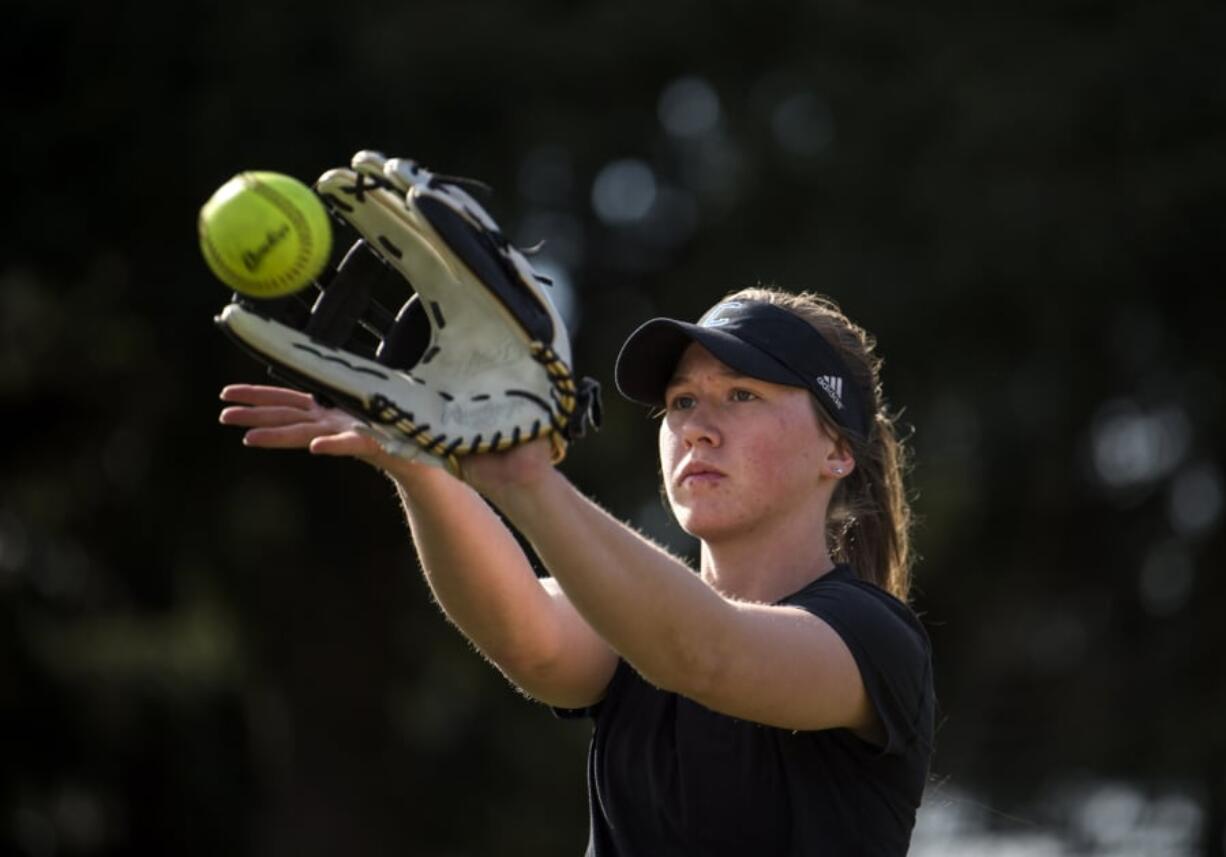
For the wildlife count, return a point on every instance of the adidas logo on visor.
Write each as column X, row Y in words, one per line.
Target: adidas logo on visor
column 833, row 385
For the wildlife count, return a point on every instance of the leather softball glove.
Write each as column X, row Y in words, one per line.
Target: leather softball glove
column 476, row 359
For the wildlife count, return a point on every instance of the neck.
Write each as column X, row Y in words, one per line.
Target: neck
column 765, row 567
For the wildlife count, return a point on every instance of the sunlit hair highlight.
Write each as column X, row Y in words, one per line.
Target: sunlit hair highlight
column 868, row 525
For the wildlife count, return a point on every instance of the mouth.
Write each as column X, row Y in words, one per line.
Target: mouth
column 697, row 473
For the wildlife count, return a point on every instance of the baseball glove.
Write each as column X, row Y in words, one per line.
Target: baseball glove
column 477, row 358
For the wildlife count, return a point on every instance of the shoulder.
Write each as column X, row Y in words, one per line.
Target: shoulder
column 884, row 635
column 890, row 647
column 850, row 604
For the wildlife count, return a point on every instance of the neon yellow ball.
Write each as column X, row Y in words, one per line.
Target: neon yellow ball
column 265, row 234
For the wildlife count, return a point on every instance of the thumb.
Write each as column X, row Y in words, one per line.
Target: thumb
column 351, row 443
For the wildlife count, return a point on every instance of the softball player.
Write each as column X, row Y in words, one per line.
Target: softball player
column 777, row 702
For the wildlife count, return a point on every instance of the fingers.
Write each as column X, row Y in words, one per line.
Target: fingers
column 281, row 418
column 349, row 443
column 285, row 437
column 262, row 416
column 259, row 394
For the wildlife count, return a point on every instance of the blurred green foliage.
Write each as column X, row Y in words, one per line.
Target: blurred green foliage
column 205, row 649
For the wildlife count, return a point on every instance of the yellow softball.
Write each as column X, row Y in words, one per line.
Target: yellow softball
column 265, row 234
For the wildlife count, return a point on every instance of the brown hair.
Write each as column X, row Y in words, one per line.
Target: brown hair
column 868, row 525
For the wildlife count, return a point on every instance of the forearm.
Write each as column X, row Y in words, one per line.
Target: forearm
column 648, row 605
column 474, row 566
column 476, row 570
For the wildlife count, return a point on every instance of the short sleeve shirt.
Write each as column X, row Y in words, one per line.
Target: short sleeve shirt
column 668, row 776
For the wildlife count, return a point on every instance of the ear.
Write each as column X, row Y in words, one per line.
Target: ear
column 839, row 462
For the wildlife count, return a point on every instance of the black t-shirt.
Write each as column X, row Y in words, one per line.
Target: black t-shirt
column 667, row 776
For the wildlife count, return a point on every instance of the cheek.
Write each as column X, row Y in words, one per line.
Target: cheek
column 669, row 456
column 784, row 451
column 669, row 449
column 769, row 459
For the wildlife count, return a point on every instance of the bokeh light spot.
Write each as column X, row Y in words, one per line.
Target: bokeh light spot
column 624, row 191
column 689, row 108
column 1196, row 499
column 1132, row 447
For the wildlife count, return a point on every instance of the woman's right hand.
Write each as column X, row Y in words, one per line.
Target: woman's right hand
column 280, row 418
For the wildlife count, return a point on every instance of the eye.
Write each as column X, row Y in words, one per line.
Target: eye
column 681, row 402
column 739, row 395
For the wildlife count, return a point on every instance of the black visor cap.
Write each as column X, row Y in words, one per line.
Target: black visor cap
column 757, row 339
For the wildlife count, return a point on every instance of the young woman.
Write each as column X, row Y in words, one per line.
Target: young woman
column 778, row 702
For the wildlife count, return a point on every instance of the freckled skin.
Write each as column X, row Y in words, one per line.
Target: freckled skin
column 766, row 440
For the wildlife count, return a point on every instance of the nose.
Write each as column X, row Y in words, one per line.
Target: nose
column 701, row 426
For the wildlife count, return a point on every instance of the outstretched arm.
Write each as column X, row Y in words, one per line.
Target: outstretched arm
column 472, row 563
column 776, row 665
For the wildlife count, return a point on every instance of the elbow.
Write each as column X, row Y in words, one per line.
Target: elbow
column 528, row 658
column 532, row 666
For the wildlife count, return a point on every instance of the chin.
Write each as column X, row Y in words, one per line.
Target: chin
column 706, row 525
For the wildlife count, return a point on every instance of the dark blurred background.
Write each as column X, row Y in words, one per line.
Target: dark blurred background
column 211, row 650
